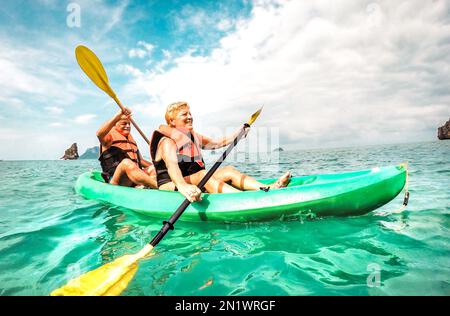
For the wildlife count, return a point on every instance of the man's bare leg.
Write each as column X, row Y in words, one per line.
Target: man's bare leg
column 127, row 173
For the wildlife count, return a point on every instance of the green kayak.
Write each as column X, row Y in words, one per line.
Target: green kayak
column 342, row 194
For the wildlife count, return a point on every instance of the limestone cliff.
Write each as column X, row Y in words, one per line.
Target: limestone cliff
column 71, row 153
column 91, row 153
column 444, row 131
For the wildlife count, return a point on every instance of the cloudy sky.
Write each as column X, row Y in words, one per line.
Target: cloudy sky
column 329, row 73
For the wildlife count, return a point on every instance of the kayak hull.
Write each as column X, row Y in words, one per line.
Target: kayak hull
column 343, row 194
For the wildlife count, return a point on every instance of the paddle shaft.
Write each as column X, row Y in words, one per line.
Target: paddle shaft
column 132, row 121
column 168, row 225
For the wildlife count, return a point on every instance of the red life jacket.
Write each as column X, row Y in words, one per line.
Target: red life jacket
column 188, row 143
column 121, row 147
column 189, row 153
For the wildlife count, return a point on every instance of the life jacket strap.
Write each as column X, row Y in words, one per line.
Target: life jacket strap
column 123, row 141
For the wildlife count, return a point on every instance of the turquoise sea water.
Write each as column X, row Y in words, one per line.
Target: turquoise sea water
column 48, row 235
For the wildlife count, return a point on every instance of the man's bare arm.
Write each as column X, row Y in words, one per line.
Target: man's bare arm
column 104, row 130
column 145, row 163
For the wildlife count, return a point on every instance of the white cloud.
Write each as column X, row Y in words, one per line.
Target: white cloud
column 137, row 52
column 328, row 73
column 84, row 119
column 38, row 70
column 54, row 109
column 201, row 21
column 15, row 78
column 43, row 146
column 111, row 15
column 129, row 70
column 35, row 72
column 12, row 101
column 147, row 46
column 10, row 135
column 166, row 53
column 225, row 24
column 145, row 51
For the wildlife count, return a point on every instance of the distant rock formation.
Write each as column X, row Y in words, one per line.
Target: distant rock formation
column 278, row 149
column 91, row 153
column 71, row 153
column 444, row 131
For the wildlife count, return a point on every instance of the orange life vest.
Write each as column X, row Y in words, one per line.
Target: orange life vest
column 121, row 147
column 127, row 144
column 189, row 153
column 188, row 143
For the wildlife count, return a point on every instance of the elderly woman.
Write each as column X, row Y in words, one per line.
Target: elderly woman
column 176, row 153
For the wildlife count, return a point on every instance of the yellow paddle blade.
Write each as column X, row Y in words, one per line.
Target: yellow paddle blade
column 93, row 68
column 253, row 118
column 108, row 280
column 112, row 277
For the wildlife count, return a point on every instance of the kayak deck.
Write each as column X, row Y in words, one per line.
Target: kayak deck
column 342, row 194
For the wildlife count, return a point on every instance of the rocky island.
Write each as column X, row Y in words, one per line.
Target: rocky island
column 278, row 149
column 91, row 153
column 444, row 131
column 71, row 153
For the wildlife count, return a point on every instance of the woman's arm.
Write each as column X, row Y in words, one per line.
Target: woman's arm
column 169, row 155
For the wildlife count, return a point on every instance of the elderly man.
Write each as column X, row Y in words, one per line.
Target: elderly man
column 120, row 158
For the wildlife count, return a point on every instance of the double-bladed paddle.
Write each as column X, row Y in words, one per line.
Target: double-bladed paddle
column 112, row 278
